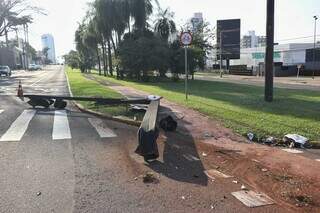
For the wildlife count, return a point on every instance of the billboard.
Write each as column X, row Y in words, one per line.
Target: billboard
column 228, row 37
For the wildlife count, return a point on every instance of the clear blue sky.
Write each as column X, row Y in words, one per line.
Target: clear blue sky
column 293, row 17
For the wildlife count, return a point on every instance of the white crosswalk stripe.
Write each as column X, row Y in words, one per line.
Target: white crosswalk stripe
column 102, row 130
column 61, row 129
column 19, row 126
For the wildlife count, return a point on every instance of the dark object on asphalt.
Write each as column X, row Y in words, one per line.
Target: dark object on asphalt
column 148, row 133
column 60, row 104
column 40, row 102
column 168, row 124
column 149, row 178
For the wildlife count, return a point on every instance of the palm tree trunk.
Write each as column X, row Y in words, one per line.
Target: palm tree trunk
column 104, row 59
column 114, row 46
column 110, row 57
column 99, row 62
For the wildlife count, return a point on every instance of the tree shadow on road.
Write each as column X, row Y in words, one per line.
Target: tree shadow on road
column 180, row 161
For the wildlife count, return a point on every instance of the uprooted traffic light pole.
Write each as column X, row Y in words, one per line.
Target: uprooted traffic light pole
column 269, row 52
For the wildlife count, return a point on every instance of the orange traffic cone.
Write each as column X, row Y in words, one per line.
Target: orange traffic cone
column 20, row 91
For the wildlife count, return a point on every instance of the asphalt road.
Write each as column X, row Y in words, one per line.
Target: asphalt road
column 68, row 161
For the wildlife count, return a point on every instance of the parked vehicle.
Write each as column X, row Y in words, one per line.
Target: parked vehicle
column 34, row 67
column 5, row 70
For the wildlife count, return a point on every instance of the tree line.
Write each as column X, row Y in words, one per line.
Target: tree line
column 118, row 38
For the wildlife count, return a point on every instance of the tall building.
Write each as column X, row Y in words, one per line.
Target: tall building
column 48, row 42
column 196, row 20
column 252, row 40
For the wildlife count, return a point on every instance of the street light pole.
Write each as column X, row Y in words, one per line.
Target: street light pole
column 269, row 52
column 314, row 45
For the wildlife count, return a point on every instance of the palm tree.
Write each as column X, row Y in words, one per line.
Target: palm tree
column 165, row 26
column 140, row 11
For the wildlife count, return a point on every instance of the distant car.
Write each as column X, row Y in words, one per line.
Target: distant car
column 34, row 67
column 5, row 70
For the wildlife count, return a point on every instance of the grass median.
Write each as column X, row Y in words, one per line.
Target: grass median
column 80, row 86
column 242, row 107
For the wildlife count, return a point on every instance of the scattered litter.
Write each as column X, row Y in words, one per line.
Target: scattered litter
column 39, row 193
column 136, row 178
column 264, row 170
column 235, row 182
column 208, row 135
column 215, row 173
column 251, row 136
column 252, row 199
column 243, row 187
column 294, row 151
column 177, row 167
column 183, row 197
column 270, row 140
column 254, row 160
column 149, row 178
column 296, row 139
column 204, row 154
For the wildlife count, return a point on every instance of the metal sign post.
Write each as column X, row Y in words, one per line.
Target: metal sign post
column 186, row 71
column 186, row 39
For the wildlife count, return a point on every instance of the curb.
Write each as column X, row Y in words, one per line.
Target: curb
column 99, row 114
column 106, row 116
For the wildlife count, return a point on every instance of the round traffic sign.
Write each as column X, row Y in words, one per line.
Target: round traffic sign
column 186, row 38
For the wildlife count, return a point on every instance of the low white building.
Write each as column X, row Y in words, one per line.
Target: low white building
column 288, row 54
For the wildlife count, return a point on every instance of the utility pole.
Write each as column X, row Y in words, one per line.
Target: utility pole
column 220, row 54
column 269, row 52
column 314, row 45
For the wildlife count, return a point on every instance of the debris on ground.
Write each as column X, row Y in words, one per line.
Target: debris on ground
column 264, row 170
column 39, row 193
column 244, row 188
column 204, row 154
column 295, row 140
column 303, row 200
column 270, row 141
column 253, row 199
column 208, row 135
column 251, row 136
column 183, row 197
column 149, row 178
column 235, row 182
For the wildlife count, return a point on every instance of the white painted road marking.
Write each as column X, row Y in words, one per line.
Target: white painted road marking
column 294, row 151
column 61, row 129
column 102, row 130
column 19, row 126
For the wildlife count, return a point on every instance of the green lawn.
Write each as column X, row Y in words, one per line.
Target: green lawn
column 242, row 107
column 80, row 86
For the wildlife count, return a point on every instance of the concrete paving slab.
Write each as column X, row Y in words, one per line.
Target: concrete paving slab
column 252, row 199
